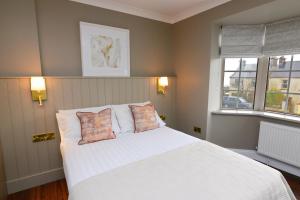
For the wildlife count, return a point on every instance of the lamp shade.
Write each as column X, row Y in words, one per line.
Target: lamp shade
column 38, row 84
column 163, row 81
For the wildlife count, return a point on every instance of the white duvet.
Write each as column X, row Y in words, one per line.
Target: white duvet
column 84, row 161
column 166, row 164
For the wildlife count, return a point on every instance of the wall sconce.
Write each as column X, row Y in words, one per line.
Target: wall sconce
column 38, row 89
column 162, row 83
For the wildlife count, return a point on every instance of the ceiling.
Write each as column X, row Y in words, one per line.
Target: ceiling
column 270, row 12
column 169, row 11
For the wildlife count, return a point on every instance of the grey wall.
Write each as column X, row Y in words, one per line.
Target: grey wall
column 58, row 25
column 19, row 49
column 239, row 132
column 58, row 30
column 3, row 192
column 192, row 60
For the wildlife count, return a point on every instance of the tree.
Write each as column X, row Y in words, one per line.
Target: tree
column 274, row 99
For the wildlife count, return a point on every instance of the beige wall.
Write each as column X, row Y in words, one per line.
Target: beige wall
column 19, row 48
column 3, row 192
column 192, row 62
column 58, row 31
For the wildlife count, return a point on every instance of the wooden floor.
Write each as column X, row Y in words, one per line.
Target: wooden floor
column 294, row 183
column 58, row 190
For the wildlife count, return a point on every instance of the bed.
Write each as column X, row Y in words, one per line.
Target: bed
column 166, row 164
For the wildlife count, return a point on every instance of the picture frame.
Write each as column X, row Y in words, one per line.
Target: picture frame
column 105, row 50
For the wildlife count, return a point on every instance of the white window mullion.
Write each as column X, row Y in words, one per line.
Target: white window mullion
column 239, row 84
column 261, row 83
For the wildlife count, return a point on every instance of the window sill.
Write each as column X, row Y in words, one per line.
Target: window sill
column 258, row 114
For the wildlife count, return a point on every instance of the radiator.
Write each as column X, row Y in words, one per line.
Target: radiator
column 280, row 142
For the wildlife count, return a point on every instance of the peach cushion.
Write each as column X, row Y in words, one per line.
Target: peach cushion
column 95, row 126
column 144, row 117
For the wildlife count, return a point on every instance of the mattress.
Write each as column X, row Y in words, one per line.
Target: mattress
column 84, row 161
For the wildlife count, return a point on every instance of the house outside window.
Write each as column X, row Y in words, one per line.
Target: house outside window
column 283, row 90
column 239, row 83
column 284, row 84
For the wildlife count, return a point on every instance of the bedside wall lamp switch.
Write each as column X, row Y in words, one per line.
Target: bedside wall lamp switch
column 162, row 83
column 38, row 89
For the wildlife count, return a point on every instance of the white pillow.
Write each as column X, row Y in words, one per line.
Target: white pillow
column 159, row 120
column 125, row 119
column 69, row 124
column 89, row 109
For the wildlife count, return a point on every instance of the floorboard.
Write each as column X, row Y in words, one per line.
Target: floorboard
column 52, row 191
column 294, row 183
column 58, row 190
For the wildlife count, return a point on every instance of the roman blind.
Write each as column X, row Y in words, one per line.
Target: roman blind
column 242, row 40
column 282, row 38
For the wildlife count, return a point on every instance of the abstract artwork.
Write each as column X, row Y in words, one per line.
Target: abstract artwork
column 104, row 50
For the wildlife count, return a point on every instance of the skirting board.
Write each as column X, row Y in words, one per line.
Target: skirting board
column 269, row 161
column 27, row 182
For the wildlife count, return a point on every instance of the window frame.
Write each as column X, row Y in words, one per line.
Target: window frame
column 239, row 84
column 287, row 93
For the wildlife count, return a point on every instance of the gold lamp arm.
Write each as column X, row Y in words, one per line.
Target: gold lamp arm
column 40, row 100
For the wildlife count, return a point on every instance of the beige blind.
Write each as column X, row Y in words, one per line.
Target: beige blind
column 242, row 40
column 282, row 38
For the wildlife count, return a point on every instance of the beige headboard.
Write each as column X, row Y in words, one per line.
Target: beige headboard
column 28, row 164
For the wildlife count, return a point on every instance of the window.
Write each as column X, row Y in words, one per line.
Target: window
column 284, row 84
column 277, row 86
column 283, row 90
column 239, row 83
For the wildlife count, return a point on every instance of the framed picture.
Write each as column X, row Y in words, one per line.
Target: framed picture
column 104, row 50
